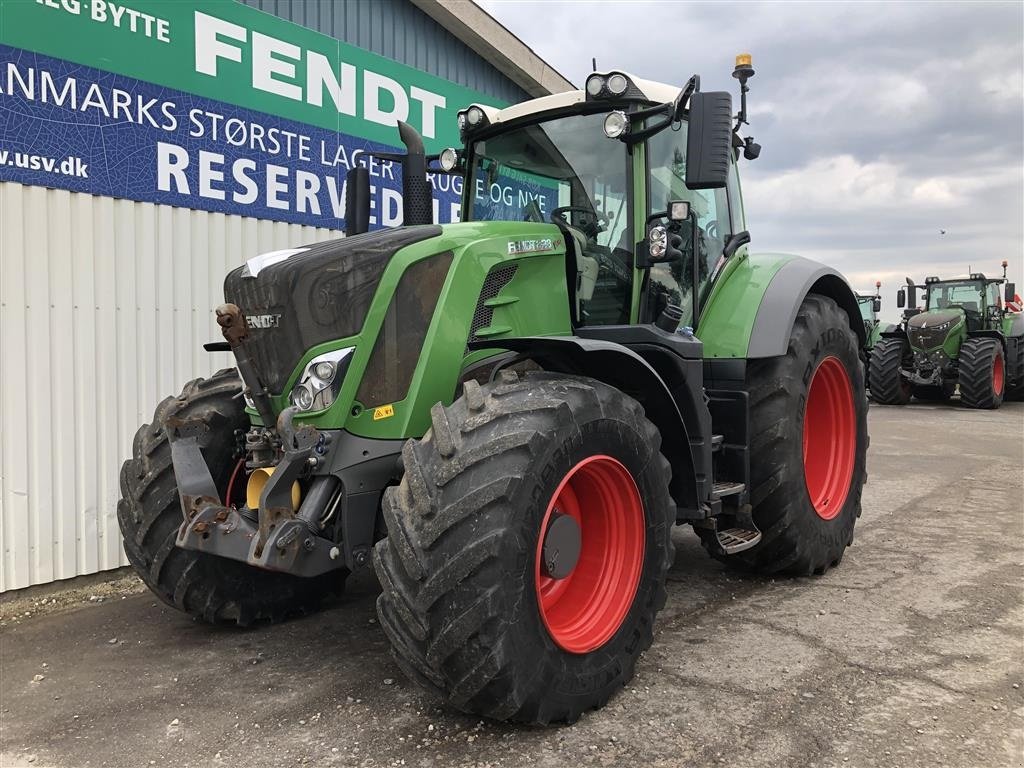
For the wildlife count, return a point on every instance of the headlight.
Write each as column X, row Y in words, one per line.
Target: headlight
column 617, row 84
column 474, row 116
column 321, row 380
column 657, row 242
column 616, row 124
column 595, row 84
column 448, row 159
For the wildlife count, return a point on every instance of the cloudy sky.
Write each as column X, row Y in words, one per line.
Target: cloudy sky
column 881, row 123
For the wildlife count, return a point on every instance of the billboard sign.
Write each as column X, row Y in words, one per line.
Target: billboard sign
column 211, row 105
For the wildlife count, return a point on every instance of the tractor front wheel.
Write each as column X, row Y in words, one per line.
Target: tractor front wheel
column 211, row 588
column 888, row 386
column 527, row 548
column 808, row 419
column 982, row 373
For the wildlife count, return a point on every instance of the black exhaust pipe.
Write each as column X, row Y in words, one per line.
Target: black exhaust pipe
column 357, row 201
column 417, row 195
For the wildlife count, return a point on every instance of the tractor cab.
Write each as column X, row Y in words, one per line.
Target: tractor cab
column 639, row 178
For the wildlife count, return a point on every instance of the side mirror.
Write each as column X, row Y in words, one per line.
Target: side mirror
column 901, row 298
column 357, row 201
column 1009, row 292
column 709, row 140
column 876, row 305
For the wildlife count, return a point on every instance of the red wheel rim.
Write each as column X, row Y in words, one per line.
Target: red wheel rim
column 997, row 375
column 583, row 610
column 830, row 438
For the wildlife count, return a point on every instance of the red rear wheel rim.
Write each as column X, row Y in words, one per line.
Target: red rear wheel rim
column 997, row 375
column 830, row 438
column 586, row 608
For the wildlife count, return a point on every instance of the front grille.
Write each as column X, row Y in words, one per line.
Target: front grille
column 497, row 279
column 927, row 338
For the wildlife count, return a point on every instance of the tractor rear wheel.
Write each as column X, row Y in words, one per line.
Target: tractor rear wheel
column 527, row 547
column 205, row 586
column 808, row 419
column 982, row 373
column 887, row 385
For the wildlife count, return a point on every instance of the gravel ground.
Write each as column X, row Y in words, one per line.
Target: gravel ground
column 910, row 654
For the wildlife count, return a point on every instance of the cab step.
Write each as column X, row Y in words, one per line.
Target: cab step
column 733, row 540
column 727, row 488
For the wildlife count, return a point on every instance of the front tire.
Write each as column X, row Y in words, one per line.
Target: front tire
column 888, row 386
column 469, row 601
column 808, row 419
column 982, row 373
column 214, row 589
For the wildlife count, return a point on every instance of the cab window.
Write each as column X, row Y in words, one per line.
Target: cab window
column 673, row 283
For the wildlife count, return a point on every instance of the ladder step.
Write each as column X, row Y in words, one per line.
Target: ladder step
column 727, row 489
column 716, row 442
column 733, row 540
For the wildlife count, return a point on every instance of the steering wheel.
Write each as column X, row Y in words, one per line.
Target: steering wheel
column 592, row 229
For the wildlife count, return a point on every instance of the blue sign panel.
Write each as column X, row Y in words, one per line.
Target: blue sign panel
column 73, row 127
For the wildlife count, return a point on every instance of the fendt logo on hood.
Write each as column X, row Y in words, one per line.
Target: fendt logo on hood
column 263, row 321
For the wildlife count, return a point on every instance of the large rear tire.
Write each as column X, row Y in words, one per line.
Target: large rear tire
column 982, row 373
column 214, row 589
column 887, row 385
column 808, row 418
column 469, row 603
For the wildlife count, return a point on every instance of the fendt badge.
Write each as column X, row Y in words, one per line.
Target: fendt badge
column 263, row 321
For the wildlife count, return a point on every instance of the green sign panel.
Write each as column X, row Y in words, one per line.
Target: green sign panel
column 228, row 52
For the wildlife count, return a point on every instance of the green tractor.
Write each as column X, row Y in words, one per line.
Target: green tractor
column 870, row 305
column 507, row 416
column 969, row 335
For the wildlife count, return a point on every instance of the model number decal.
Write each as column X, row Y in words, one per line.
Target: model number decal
column 516, row 247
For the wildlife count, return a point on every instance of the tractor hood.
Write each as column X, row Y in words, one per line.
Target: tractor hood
column 295, row 299
column 928, row 330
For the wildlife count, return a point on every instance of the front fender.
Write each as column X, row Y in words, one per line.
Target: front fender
column 751, row 310
column 622, row 368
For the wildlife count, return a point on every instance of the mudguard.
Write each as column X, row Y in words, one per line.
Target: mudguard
column 774, row 284
column 627, row 371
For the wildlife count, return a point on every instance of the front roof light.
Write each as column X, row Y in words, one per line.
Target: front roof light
column 595, row 84
column 616, row 124
column 474, row 116
column 617, row 84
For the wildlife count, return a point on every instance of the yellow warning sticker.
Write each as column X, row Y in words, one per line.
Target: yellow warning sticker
column 383, row 412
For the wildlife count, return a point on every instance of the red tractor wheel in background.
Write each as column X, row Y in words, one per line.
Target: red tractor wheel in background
column 982, row 373
column 527, row 547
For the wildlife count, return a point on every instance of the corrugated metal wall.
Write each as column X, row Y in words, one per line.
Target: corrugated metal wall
column 104, row 307
column 402, row 32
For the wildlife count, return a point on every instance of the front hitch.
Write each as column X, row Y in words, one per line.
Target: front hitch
column 280, row 539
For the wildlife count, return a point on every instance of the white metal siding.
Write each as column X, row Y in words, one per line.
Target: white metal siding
column 104, row 307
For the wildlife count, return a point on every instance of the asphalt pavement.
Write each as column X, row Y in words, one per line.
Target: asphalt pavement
column 911, row 653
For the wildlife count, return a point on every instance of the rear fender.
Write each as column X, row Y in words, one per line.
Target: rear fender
column 620, row 367
column 781, row 301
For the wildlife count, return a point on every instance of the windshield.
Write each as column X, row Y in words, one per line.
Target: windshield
column 566, row 171
column 965, row 295
column 866, row 303
column 528, row 173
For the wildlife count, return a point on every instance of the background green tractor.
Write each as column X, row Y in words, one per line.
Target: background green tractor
column 967, row 335
column 509, row 415
column 870, row 305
